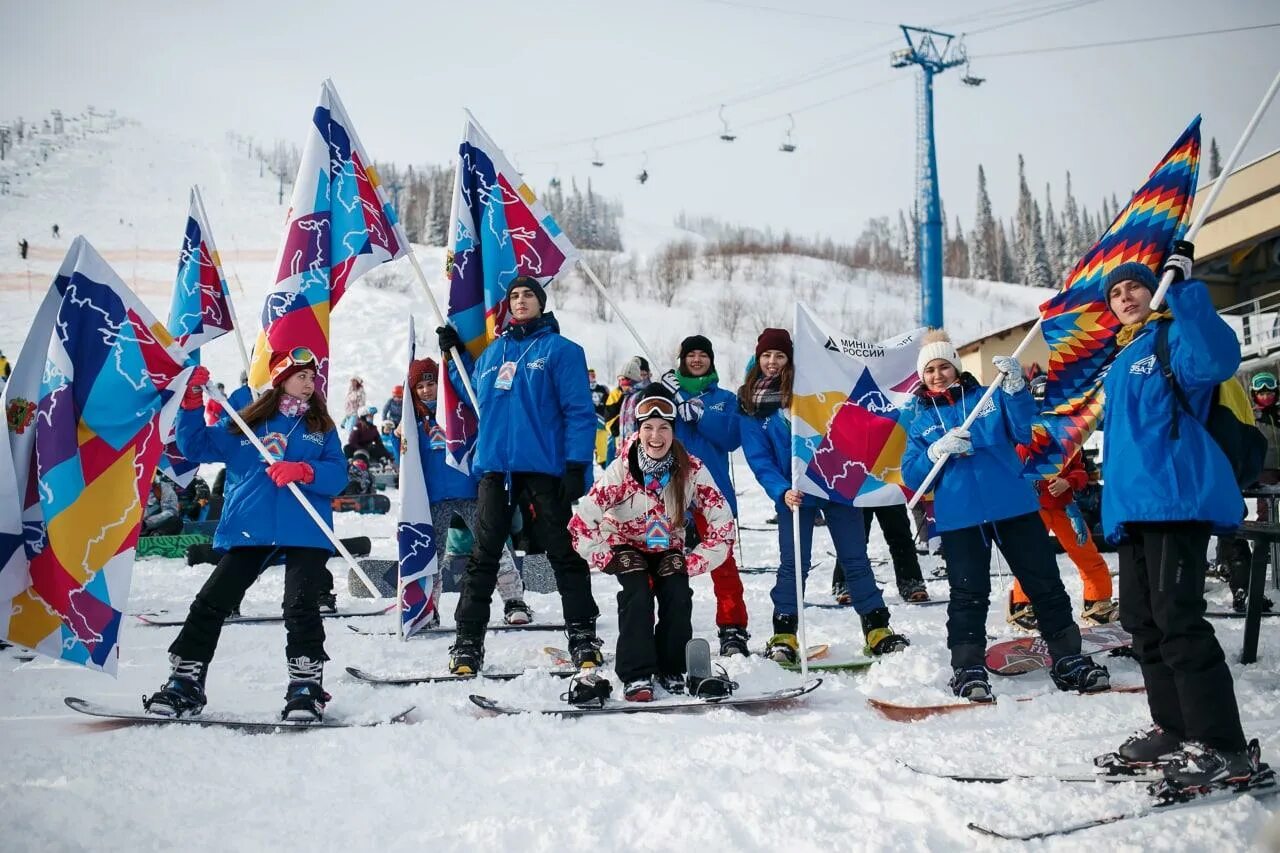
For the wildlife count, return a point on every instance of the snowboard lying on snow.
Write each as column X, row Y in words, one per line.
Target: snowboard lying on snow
column 450, row 629
column 660, row 706
column 374, row 504
column 442, row 678
column 238, row 722
column 911, row 713
column 160, row 621
column 1027, row 654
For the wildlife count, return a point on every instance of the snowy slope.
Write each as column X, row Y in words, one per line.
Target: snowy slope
column 821, row 775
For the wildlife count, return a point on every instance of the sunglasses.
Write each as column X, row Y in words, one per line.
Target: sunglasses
column 659, row 406
column 295, row 357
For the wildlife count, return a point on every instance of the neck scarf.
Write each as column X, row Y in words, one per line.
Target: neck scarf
column 292, row 407
column 651, row 467
column 695, row 385
column 767, row 395
column 1125, row 336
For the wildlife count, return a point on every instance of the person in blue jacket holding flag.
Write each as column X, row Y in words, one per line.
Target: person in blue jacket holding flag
column 765, row 398
column 708, row 426
column 981, row 499
column 1168, row 487
column 261, row 519
column 537, row 433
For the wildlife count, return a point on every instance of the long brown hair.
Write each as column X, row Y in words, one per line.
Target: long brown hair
column 260, row 410
column 746, row 394
column 675, row 498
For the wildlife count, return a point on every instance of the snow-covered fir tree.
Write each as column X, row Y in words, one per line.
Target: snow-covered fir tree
column 982, row 261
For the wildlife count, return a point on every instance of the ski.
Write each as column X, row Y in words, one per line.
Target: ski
column 223, row 720
column 912, row 713
column 1083, row 774
column 448, row 630
column 1221, row 795
column 159, row 621
column 660, row 706
column 404, row 680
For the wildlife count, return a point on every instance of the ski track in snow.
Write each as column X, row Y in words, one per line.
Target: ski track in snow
column 821, row 774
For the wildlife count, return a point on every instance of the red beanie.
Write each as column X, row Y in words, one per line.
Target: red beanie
column 778, row 339
column 278, row 359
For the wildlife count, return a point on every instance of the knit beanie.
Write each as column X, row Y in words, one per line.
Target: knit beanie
column 278, row 358
column 775, row 339
column 531, row 283
column 631, row 370
column 937, row 344
column 421, row 367
column 1131, row 271
column 697, row 342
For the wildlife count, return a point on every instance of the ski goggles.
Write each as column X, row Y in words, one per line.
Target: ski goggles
column 296, row 357
column 656, row 407
column 1263, row 382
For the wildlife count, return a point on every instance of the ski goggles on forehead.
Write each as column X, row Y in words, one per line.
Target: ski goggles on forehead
column 1263, row 382
column 659, row 407
column 296, row 357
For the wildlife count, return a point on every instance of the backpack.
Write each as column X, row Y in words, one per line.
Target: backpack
column 1230, row 421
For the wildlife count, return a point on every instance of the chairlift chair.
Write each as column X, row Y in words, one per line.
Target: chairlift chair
column 725, row 134
column 643, row 177
column 787, row 145
column 595, row 155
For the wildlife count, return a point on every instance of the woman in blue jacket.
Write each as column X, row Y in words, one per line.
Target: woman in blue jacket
column 260, row 519
column 766, row 441
column 979, row 498
column 1168, row 487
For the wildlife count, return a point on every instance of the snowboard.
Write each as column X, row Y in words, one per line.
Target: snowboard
column 204, row 552
column 660, row 706
column 375, row 504
column 402, row 680
column 843, row 666
column 1027, row 654
column 448, row 630
column 169, row 547
column 562, row 656
column 158, row 621
column 230, row 721
column 912, row 713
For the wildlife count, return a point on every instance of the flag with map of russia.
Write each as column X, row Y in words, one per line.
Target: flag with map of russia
column 850, row 405
column 94, row 392
column 415, row 535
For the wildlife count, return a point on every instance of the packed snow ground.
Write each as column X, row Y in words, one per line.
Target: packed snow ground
column 824, row 773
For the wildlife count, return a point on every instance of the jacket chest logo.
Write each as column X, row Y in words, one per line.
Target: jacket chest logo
column 314, row 437
column 537, row 364
column 1144, row 367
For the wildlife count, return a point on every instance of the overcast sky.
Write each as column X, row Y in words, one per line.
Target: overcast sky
column 539, row 75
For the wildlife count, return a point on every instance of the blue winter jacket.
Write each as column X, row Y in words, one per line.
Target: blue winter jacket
column 766, row 442
column 239, row 398
column 714, row 436
column 1147, row 475
column 546, row 419
column 257, row 511
column 444, row 482
column 986, row 485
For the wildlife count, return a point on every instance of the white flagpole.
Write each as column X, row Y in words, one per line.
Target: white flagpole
column 795, row 528
column 591, row 276
column 231, row 307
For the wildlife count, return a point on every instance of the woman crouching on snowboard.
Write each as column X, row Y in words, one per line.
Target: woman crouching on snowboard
column 261, row 519
column 632, row 525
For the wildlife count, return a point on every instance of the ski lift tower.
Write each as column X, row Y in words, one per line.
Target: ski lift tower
column 934, row 52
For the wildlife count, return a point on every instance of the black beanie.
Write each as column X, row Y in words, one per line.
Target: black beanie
column 531, row 283
column 700, row 342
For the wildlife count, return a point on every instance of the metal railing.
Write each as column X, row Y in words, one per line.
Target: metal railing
column 1257, row 325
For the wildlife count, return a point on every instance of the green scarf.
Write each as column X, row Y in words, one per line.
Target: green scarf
column 695, row 385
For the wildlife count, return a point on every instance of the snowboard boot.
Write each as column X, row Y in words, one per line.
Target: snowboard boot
column 587, row 689
column 1022, row 616
column 516, row 612
column 305, row 698
column 466, row 655
column 1100, row 612
column 673, row 684
column 183, row 694
column 733, row 641
column 328, row 602
column 1240, row 601
column 913, row 592
column 639, row 690
column 970, row 682
column 783, row 646
column 1080, row 673
column 881, row 640
column 584, row 645
column 1200, row 769
column 840, row 593
column 1152, row 748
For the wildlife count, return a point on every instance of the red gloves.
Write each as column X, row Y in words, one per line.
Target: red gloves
column 194, row 398
column 284, row 473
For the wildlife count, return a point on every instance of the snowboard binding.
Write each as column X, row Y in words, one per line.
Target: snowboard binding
column 587, row 689
column 702, row 680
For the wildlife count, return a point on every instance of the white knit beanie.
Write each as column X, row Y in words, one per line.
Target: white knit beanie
column 937, row 344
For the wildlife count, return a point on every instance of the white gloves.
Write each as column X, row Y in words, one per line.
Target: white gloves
column 690, row 411
column 1014, row 381
column 670, row 382
column 955, row 443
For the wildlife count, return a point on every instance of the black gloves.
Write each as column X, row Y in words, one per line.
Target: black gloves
column 672, row 563
column 1180, row 259
column 447, row 336
column 626, row 560
column 573, row 484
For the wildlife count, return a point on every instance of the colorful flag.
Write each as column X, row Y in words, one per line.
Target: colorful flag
column 199, row 313
column 458, row 422
column 500, row 231
column 1077, row 324
column 92, row 396
column 849, row 403
column 415, row 535
column 339, row 227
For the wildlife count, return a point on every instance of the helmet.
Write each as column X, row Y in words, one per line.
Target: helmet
column 371, row 411
column 361, row 454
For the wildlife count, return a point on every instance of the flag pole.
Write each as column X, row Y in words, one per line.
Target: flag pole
column 1165, row 280
column 231, row 307
column 591, row 275
column 795, row 531
column 212, row 391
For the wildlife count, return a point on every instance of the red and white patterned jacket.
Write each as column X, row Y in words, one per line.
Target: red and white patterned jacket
column 617, row 511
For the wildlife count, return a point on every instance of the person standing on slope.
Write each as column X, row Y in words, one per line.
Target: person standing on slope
column 765, row 398
column 537, row 429
column 980, row 499
column 261, row 519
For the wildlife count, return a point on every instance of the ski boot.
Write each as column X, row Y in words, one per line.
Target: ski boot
column 733, row 641
column 328, row 602
column 639, row 690
column 466, row 655
column 305, row 698
column 516, row 612
column 1022, row 615
column 673, row 684
column 183, row 694
column 1199, row 770
column 584, row 645
column 1080, row 673
column 587, row 689
column 913, row 592
column 970, row 682
column 1140, row 753
column 880, row 638
column 783, row 646
column 1101, row 612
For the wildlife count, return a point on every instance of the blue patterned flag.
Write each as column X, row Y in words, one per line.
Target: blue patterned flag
column 415, row 535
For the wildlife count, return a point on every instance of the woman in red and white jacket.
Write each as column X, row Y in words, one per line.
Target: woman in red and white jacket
column 632, row 525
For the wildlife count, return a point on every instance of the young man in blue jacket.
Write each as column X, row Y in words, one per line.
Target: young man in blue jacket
column 537, row 434
column 1168, row 486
